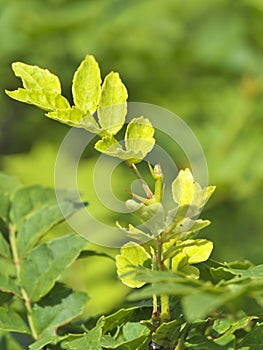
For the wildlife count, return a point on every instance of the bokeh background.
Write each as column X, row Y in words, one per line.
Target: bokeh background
column 203, row 60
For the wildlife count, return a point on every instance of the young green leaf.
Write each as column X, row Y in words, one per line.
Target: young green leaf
column 44, row 99
column 188, row 192
column 75, row 117
column 132, row 255
column 34, row 77
column 139, row 138
column 86, row 85
column 57, row 309
column 112, row 105
column 45, row 263
column 11, row 321
column 197, row 250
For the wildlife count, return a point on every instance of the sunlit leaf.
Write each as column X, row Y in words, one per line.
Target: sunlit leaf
column 131, row 255
column 75, row 117
column 188, row 192
column 44, row 99
column 139, row 138
column 86, row 85
column 112, row 105
column 34, row 77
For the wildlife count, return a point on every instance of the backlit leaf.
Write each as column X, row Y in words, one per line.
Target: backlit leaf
column 75, row 117
column 188, row 192
column 112, row 105
column 90, row 341
column 131, row 255
column 34, row 77
column 44, row 99
column 86, row 85
column 139, row 138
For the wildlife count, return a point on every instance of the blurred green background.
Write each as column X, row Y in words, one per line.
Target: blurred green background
column 203, row 60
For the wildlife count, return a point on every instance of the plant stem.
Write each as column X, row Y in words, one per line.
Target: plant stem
column 17, row 262
column 180, row 345
column 165, row 306
column 146, row 188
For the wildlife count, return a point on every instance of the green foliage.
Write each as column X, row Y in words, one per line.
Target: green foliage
column 198, row 307
column 35, row 266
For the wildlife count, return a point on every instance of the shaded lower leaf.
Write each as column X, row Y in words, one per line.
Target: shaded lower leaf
column 117, row 319
column 45, row 263
column 53, row 340
column 8, row 285
column 254, row 339
column 4, row 247
column 58, row 308
column 8, row 185
column 11, row 321
column 200, row 342
column 167, row 334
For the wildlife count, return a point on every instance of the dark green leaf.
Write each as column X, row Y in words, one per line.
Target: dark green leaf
column 4, row 247
column 8, row 185
column 34, row 212
column 8, row 285
column 118, row 319
column 90, row 341
column 58, row 308
column 11, row 321
column 45, row 263
column 167, row 334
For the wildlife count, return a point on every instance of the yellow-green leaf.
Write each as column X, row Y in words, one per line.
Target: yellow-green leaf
column 139, row 138
column 75, row 117
column 44, row 99
column 112, row 105
column 132, row 255
column 197, row 250
column 188, row 192
column 34, row 77
column 86, row 85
